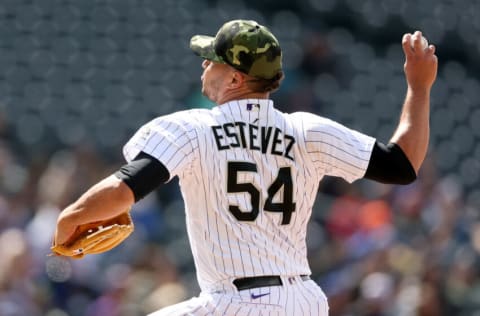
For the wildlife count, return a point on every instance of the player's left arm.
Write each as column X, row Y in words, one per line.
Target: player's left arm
column 113, row 195
column 108, row 198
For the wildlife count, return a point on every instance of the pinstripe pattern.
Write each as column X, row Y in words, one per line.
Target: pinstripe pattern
column 197, row 146
column 295, row 297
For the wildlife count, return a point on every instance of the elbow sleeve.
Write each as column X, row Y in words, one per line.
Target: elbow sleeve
column 389, row 164
column 143, row 175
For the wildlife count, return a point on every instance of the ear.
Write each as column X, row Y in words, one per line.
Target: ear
column 236, row 80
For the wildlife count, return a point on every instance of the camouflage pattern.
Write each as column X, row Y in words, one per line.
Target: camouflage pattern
column 245, row 45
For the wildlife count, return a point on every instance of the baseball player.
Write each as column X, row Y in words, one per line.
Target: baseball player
column 249, row 173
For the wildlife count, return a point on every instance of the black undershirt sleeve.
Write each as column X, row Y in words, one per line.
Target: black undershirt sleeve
column 143, row 175
column 389, row 164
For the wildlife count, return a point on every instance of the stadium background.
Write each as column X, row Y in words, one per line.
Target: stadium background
column 78, row 77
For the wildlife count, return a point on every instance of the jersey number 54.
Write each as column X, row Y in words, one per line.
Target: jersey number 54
column 283, row 180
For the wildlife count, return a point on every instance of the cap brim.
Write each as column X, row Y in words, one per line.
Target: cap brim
column 203, row 46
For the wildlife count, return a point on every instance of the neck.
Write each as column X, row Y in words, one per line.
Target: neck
column 242, row 93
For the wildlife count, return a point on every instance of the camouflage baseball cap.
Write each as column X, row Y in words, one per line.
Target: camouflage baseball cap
column 245, row 45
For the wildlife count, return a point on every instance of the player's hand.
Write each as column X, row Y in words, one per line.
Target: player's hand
column 94, row 237
column 63, row 232
column 420, row 64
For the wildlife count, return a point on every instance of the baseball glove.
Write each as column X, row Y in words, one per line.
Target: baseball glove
column 96, row 237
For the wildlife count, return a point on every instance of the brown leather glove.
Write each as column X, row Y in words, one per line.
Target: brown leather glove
column 96, row 237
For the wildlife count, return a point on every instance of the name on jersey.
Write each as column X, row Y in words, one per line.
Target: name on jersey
column 261, row 138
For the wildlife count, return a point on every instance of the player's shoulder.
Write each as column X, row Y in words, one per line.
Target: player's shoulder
column 309, row 120
column 191, row 117
column 313, row 125
column 188, row 115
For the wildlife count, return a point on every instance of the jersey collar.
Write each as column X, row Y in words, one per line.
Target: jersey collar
column 258, row 108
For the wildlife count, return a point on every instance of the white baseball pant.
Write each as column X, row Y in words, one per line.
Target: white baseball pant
column 294, row 297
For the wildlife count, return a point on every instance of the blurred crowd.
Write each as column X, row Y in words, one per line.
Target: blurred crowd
column 78, row 77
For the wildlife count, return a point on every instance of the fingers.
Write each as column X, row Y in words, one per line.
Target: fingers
column 407, row 48
column 414, row 44
column 418, row 42
column 421, row 62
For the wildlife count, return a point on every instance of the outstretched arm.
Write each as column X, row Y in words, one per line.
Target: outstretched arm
column 412, row 133
column 106, row 199
column 113, row 195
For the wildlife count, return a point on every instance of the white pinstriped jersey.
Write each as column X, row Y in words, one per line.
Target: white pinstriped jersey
column 249, row 175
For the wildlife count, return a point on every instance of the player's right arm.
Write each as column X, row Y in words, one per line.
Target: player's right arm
column 399, row 161
column 412, row 133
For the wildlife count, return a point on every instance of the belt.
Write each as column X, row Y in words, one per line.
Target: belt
column 261, row 281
